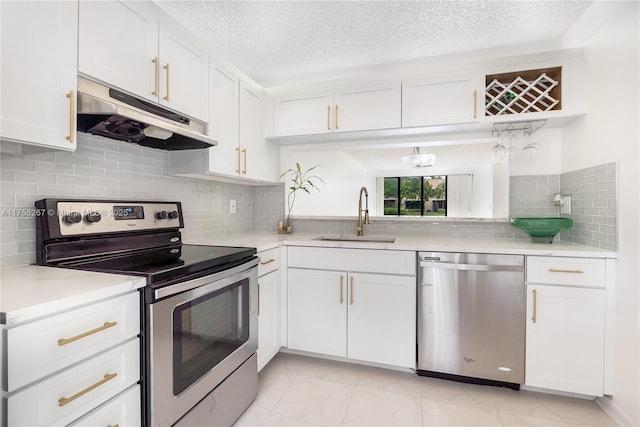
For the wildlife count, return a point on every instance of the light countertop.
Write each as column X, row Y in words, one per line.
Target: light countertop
column 30, row 292
column 264, row 241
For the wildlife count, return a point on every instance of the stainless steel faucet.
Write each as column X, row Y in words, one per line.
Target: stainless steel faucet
column 361, row 223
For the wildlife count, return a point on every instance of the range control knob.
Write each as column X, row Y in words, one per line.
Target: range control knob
column 93, row 217
column 161, row 215
column 72, row 218
column 173, row 214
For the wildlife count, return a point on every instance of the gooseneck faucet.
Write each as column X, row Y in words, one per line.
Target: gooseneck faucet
column 360, row 226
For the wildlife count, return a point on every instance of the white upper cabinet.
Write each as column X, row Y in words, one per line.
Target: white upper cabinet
column 375, row 106
column 365, row 107
column 442, row 99
column 235, row 121
column 183, row 72
column 224, row 120
column 39, row 69
column 303, row 113
column 117, row 44
column 130, row 46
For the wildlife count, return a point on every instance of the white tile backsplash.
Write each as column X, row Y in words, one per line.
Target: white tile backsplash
column 102, row 168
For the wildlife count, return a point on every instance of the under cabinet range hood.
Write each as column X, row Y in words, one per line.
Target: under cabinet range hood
column 117, row 115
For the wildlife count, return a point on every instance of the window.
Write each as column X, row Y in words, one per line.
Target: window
column 415, row 195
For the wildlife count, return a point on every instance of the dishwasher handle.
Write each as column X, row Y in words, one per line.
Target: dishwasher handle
column 471, row 267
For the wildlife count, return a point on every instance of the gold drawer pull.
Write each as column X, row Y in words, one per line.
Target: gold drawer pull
column 166, row 67
column 113, row 425
column 475, row 103
column 336, row 117
column 329, row 117
column 269, row 261
column 553, row 270
column 65, row 341
column 65, row 400
column 156, row 71
column 351, row 290
column 244, row 153
column 72, row 109
column 535, row 305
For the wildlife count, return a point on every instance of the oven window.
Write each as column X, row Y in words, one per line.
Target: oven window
column 206, row 330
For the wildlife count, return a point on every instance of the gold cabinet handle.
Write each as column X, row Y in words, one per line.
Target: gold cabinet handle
column 475, row 104
column 244, row 152
column 72, row 108
column 553, row 270
column 269, row 261
column 238, row 152
column 156, row 71
column 166, row 67
column 351, row 290
column 336, row 116
column 535, row 305
column 113, row 425
column 66, row 400
column 329, row 117
column 65, row 341
column 341, row 289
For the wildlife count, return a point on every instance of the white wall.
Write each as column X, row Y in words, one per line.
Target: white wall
column 346, row 170
column 609, row 133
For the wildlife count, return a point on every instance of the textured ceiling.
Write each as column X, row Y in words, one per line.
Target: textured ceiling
column 279, row 41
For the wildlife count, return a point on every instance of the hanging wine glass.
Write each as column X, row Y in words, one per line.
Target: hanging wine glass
column 511, row 149
column 499, row 152
column 531, row 149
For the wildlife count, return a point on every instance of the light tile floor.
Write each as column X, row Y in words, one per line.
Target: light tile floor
column 304, row 391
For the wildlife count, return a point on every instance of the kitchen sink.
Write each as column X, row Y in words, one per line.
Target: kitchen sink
column 542, row 230
column 352, row 238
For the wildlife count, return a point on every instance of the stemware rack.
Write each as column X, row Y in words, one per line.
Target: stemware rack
column 523, row 92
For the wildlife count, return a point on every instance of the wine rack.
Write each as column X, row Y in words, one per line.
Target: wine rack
column 523, row 92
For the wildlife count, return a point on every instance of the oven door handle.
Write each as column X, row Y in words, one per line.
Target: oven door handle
column 168, row 291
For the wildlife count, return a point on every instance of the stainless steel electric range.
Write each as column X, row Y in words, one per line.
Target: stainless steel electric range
column 199, row 327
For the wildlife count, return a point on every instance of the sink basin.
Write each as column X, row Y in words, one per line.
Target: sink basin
column 351, row 238
column 542, row 230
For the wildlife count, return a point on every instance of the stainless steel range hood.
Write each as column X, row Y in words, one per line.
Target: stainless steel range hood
column 117, row 115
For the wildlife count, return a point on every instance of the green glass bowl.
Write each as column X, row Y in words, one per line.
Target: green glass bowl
column 542, row 230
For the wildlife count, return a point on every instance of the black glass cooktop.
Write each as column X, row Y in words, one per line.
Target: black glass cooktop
column 162, row 266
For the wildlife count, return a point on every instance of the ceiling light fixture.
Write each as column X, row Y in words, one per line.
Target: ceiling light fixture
column 418, row 159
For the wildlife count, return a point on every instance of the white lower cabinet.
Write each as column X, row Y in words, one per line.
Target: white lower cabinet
column 363, row 316
column 64, row 367
column 269, row 311
column 123, row 410
column 565, row 340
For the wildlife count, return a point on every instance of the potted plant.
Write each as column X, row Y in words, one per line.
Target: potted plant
column 300, row 181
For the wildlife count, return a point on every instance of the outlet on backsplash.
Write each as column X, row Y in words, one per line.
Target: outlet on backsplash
column 232, row 206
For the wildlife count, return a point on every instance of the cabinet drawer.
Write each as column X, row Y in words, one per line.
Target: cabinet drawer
column 269, row 261
column 123, row 410
column 355, row 260
column 588, row 272
column 40, row 348
column 78, row 389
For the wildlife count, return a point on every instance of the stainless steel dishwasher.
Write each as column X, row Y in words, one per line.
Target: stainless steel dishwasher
column 471, row 317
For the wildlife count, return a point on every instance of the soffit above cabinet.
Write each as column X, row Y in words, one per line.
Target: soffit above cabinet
column 279, row 43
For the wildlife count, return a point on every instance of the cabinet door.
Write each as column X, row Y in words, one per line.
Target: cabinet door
column 118, row 42
column 223, row 120
column 268, row 317
column 303, row 113
column 441, row 99
column 382, row 319
column 565, row 339
column 250, row 129
column 39, row 72
column 317, row 311
column 183, row 73
column 367, row 107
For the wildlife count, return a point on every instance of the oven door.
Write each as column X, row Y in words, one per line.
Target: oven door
column 200, row 332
